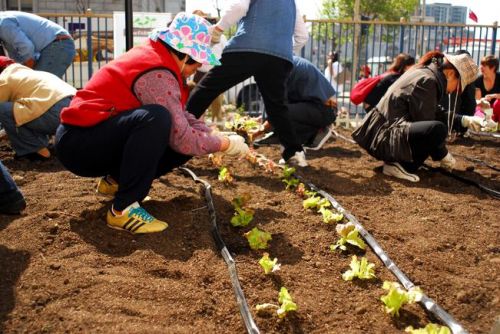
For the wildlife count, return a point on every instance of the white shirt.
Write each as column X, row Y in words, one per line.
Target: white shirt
column 237, row 9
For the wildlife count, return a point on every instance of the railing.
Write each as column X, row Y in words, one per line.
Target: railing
column 372, row 43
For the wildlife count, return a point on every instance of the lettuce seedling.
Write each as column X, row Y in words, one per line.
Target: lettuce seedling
column 348, row 235
column 269, row 266
column 429, row 329
column 315, row 202
column 241, row 201
column 287, row 304
column 329, row 216
column 397, row 297
column 288, row 172
column 225, row 176
column 258, row 239
column 242, row 217
column 291, row 183
column 360, row 269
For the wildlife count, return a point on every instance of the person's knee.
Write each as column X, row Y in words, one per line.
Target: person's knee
column 157, row 117
column 439, row 131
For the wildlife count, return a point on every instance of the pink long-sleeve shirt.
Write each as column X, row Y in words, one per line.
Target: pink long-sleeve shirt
column 188, row 135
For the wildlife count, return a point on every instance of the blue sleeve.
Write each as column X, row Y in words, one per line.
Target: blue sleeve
column 19, row 46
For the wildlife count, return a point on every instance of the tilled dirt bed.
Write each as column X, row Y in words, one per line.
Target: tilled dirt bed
column 62, row 270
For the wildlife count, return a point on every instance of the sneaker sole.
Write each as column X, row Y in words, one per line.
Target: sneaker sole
column 411, row 178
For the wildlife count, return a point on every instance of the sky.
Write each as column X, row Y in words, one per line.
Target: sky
column 487, row 11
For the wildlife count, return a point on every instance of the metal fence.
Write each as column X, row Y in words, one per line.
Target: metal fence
column 372, row 43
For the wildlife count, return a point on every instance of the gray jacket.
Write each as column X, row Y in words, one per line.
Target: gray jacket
column 413, row 97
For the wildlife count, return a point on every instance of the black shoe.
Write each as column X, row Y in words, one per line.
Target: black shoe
column 31, row 157
column 12, row 203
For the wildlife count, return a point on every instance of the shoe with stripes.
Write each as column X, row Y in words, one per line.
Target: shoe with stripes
column 135, row 219
column 107, row 187
column 396, row 170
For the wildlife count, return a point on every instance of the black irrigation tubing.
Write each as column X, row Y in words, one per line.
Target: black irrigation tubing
column 429, row 304
column 221, row 246
column 492, row 192
column 478, row 161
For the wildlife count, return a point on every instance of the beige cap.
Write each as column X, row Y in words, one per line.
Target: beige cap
column 465, row 66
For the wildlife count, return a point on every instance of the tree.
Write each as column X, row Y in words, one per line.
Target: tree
column 387, row 10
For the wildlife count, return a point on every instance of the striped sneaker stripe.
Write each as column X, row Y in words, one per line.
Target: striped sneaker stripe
column 128, row 223
column 137, row 227
column 133, row 225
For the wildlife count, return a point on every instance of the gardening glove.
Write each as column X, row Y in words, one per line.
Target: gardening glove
column 472, row 122
column 237, row 145
column 448, row 162
column 215, row 34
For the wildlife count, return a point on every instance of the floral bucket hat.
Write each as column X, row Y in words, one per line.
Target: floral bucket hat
column 189, row 34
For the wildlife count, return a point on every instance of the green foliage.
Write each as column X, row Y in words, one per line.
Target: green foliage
column 291, row 183
column 242, row 217
column 241, row 124
column 225, row 176
column 348, row 235
column 360, row 269
column 287, row 304
column 329, row 216
column 387, row 10
column 241, row 201
column 397, row 297
column 258, row 239
column 315, row 202
column 429, row 329
column 269, row 265
column 288, row 172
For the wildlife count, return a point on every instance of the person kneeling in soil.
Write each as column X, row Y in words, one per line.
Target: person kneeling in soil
column 312, row 107
column 128, row 124
column 30, row 104
column 408, row 125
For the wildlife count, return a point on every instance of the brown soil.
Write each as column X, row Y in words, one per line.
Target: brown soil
column 62, row 270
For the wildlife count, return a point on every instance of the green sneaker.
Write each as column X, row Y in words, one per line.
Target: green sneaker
column 135, row 219
column 107, row 186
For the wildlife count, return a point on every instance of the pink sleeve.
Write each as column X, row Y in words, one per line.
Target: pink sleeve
column 187, row 135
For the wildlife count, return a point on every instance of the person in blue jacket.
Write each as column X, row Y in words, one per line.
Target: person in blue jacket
column 262, row 47
column 311, row 103
column 36, row 42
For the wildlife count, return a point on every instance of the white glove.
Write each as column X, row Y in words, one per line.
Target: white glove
column 448, row 162
column 237, row 145
column 215, row 34
column 472, row 122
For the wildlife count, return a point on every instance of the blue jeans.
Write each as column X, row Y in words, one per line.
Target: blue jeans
column 56, row 57
column 7, row 184
column 34, row 135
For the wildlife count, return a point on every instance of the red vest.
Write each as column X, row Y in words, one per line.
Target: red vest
column 109, row 91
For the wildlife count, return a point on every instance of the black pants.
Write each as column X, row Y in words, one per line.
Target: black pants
column 309, row 117
column 270, row 74
column 132, row 147
column 427, row 138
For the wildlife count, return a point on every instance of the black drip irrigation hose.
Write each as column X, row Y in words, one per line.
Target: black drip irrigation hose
column 221, row 246
column 478, row 161
column 492, row 192
column 429, row 304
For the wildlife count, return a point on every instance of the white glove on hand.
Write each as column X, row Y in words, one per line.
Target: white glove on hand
column 448, row 162
column 215, row 35
column 472, row 122
column 237, row 145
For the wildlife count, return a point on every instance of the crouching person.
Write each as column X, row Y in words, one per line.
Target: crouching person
column 11, row 199
column 408, row 125
column 30, row 104
column 128, row 124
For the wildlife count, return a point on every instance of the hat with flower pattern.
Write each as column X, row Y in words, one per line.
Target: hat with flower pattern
column 189, row 34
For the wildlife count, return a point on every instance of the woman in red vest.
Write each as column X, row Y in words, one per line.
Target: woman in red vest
column 129, row 126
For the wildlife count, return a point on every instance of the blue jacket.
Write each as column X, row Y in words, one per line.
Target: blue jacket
column 24, row 35
column 267, row 28
column 307, row 83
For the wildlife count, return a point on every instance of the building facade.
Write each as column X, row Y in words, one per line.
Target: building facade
column 96, row 6
column 446, row 13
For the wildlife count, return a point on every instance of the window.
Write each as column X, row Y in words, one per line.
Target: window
column 26, row 5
